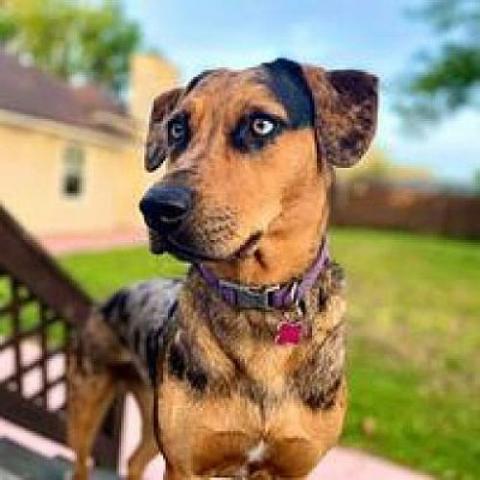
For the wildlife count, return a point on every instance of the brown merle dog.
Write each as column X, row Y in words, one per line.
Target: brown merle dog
column 246, row 356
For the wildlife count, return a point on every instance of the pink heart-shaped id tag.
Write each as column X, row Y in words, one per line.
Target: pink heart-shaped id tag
column 289, row 333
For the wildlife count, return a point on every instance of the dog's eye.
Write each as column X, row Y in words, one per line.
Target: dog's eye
column 262, row 127
column 256, row 130
column 176, row 130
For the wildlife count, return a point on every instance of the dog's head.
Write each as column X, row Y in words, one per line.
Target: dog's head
column 248, row 162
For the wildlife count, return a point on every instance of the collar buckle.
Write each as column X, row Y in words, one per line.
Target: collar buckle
column 250, row 297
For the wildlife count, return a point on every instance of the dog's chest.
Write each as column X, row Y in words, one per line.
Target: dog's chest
column 232, row 401
column 266, row 367
column 232, row 426
column 233, row 435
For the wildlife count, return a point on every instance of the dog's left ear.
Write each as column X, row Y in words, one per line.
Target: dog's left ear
column 156, row 147
column 346, row 105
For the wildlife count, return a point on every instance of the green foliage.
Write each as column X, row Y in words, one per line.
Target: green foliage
column 90, row 41
column 8, row 28
column 447, row 78
column 414, row 353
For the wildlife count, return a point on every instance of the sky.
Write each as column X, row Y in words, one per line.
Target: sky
column 373, row 35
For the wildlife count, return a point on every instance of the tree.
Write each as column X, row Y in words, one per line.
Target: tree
column 7, row 26
column 74, row 40
column 446, row 79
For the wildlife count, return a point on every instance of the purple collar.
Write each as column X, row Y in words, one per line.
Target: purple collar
column 272, row 297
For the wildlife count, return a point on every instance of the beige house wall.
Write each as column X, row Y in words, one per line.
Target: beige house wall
column 150, row 76
column 31, row 172
column 32, row 164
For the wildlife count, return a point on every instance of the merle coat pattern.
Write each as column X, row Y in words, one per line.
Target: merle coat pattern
column 248, row 162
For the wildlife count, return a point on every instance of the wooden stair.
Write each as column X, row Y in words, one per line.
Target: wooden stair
column 20, row 463
column 36, row 298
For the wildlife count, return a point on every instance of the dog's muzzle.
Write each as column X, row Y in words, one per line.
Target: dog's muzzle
column 165, row 208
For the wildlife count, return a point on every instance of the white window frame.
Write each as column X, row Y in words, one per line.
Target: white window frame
column 73, row 169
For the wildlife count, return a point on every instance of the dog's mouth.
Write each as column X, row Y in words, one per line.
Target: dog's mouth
column 248, row 247
column 160, row 244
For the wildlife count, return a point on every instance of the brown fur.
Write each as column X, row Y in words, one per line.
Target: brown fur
column 254, row 390
column 223, row 386
column 100, row 369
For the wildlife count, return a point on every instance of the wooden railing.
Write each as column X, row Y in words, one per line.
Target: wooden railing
column 40, row 307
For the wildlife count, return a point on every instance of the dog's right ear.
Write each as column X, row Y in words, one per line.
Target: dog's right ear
column 157, row 147
column 346, row 106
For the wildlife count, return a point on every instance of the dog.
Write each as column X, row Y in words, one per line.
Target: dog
column 238, row 368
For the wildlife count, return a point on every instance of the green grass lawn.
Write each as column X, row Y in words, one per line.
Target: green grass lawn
column 414, row 344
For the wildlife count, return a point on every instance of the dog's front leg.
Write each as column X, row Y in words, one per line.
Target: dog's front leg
column 147, row 448
column 90, row 395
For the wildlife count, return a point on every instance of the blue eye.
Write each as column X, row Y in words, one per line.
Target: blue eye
column 256, row 130
column 262, row 126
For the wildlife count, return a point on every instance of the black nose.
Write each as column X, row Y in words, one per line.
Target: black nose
column 165, row 207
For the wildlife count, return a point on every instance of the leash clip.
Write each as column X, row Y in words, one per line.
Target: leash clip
column 293, row 298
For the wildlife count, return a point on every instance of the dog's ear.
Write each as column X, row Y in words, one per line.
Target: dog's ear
column 156, row 147
column 346, row 104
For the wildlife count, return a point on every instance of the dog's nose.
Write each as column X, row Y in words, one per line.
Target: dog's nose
column 165, row 207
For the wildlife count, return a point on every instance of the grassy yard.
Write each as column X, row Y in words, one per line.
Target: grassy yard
column 414, row 351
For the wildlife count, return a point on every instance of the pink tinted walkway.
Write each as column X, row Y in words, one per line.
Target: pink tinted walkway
column 60, row 244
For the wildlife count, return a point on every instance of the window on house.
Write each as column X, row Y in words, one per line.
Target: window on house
column 73, row 171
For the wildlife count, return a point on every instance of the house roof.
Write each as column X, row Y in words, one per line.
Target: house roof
column 31, row 91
